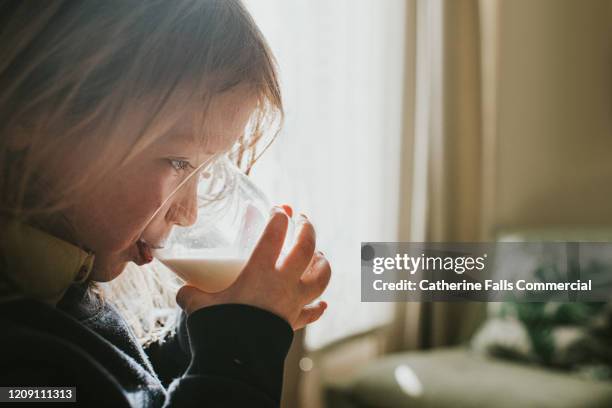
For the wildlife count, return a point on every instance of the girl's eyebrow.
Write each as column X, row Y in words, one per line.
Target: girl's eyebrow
column 177, row 139
column 182, row 142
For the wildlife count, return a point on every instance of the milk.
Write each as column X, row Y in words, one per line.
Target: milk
column 206, row 272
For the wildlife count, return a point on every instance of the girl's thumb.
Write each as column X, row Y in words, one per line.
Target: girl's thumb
column 189, row 297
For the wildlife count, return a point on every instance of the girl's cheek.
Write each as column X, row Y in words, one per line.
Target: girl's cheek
column 154, row 186
column 155, row 199
column 139, row 202
column 134, row 208
column 149, row 204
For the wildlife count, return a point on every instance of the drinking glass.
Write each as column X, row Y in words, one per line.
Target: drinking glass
column 232, row 214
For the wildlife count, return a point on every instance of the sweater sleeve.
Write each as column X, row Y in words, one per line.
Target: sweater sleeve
column 40, row 360
column 238, row 353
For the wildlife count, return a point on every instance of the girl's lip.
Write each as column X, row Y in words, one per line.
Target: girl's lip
column 144, row 253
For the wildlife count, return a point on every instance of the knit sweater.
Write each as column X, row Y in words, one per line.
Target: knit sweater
column 222, row 356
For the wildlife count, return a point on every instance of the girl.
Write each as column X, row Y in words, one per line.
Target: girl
column 106, row 108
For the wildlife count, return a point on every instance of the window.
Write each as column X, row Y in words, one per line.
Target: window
column 337, row 158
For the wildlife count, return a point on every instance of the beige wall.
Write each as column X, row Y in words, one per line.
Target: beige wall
column 553, row 161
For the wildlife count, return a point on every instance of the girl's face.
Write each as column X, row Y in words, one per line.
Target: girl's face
column 113, row 219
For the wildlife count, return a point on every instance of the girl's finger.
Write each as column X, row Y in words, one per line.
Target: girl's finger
column 299, row 257
column 313, row 260
column 288, row 209
column 310, row 314
column 269, row 246
column 316, row 278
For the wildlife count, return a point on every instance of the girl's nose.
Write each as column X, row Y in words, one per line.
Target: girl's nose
column 184, row 211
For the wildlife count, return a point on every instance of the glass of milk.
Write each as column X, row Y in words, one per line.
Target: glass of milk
column 232, row 213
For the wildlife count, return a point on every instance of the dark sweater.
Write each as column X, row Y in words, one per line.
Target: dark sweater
column 222, row 356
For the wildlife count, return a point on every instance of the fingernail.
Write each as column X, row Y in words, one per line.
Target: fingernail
column 288, row 210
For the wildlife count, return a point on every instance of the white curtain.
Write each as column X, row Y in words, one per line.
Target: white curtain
column 338, row 156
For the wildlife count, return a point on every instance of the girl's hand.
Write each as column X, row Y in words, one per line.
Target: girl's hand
column 285, row 290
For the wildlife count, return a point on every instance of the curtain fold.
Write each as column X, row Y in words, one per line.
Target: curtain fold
column 455, row 158
column 449, row 147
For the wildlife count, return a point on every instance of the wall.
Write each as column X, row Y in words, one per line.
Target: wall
column 553, row 160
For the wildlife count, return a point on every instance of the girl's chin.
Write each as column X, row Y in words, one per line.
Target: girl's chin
column 109, row 265
column 107, row 272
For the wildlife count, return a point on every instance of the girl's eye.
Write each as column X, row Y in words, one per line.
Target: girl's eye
column 180, row 165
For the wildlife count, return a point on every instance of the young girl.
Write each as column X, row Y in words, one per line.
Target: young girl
column 106, row 108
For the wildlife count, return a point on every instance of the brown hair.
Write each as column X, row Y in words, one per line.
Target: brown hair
column 72, row 72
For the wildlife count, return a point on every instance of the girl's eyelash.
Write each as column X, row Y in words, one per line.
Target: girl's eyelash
column 180, row 165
